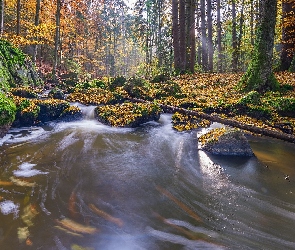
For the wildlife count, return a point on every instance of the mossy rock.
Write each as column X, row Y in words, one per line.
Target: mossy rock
column 26, row 92
column 51, row 109
column 226, row 141
column 127, row 114
column 7, row 114
column 56, row 94
column 71, row 113
column 16, row 69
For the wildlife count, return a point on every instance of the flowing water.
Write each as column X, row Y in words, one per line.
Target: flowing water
column 83, row 185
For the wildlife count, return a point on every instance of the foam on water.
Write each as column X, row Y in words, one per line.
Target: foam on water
column 8, row 207
column 25, row 170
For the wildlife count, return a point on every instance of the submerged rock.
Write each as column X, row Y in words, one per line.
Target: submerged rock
column 226, row 141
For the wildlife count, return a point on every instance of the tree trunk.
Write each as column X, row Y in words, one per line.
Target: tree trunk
column 175, row 34
column 225, row 121
column 204, row 37
column 241, row 26
column 37, row 20
column 219, row 37
column 57, row 38
column 1, row 17
column 182, row 35
column 288, row 34
column 192, row 33
column 235, row 55
column 210, row 35
column 18, row 9
column 252, row 23
column 259, row 75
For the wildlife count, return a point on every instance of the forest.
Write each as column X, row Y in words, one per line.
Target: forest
column 100, row 38
column 147, row 124
column 231, row 58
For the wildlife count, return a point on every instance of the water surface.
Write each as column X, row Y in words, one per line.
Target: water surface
column 83, row 185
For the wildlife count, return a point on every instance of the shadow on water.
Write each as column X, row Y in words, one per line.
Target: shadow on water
column 83, row 185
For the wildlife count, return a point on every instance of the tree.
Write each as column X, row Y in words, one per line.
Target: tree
column 57, row 37
column 288, row 34
column 204, row 36
column 259, row 75
column 219, row 36
column 210, row 36
column 37, row 21
column 1, row 17
column 175, row 35
column 18, row 10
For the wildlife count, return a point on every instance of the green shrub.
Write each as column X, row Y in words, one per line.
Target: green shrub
column 7, row 110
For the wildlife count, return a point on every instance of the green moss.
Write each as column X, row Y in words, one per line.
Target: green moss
column 7, row 110
column 15, row 67
column 253, row 97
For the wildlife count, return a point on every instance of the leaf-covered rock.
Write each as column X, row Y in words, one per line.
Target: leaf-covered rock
column 127, row 114
column 226, row 141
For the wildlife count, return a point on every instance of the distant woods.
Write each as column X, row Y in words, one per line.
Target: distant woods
column 90, row 39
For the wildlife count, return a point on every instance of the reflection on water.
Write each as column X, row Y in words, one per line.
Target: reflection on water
column 83, row 185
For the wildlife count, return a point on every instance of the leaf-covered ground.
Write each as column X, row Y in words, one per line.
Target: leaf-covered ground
column 218, row 94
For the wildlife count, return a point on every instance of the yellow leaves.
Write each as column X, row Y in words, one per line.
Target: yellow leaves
column 212, row 135
column 126, row 114
column 182, row 122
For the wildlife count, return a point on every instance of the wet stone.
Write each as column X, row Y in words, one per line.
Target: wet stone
column 226, row 141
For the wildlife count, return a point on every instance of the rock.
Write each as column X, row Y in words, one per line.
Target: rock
column 127, row 114
column 226, row 141
column 7, row 114
column 4, row 129
column 15, row 67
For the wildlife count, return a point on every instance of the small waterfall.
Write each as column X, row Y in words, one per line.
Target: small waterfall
column 87, row 111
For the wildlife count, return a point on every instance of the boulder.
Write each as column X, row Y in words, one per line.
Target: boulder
column 4, row 129
column 226, row 141
column 16, row 69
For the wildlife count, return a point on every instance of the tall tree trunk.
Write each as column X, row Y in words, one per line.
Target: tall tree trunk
column 175, row 33
column 241, row 26
column 182, row 35
column 1, row 17
column 210, row 35
column 192, row 36
column 219, row 37
column 259, row 75
column 288, row 34
column 37, row 20
column 235, row 55
column 18, row 9
column 204, row 37
column 57, row 38
column 252, row 23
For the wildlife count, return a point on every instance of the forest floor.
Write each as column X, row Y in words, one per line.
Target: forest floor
column 217, row 94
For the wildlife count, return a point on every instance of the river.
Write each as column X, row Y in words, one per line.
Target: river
column 83, row 185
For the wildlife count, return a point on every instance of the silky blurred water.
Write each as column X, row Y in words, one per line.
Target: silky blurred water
column 83, row 185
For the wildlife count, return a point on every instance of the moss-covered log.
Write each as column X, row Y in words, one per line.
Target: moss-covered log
column 233, row 123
